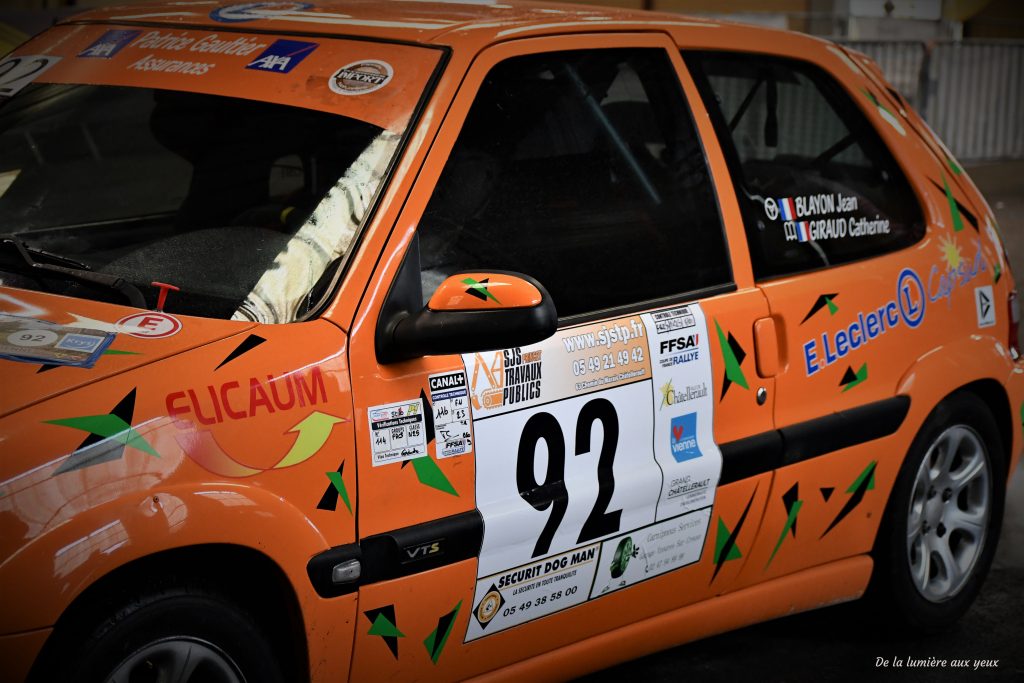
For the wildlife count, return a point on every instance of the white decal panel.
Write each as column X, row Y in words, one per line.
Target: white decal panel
column 449, row 400
column 596, row 463
column 397, row 432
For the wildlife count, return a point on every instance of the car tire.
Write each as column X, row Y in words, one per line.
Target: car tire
column 942, row 521
column 184, row 634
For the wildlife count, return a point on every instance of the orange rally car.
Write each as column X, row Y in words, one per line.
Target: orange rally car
column 432, row 342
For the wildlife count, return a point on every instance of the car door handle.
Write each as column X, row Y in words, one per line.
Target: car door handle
column 766, row 347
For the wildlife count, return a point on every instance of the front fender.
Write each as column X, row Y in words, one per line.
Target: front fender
column 46, row 574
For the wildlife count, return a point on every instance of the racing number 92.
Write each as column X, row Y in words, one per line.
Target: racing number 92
column 552, row 492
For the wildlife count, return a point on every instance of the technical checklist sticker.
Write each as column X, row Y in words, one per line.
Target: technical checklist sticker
column 449, row 399
column 397, row 432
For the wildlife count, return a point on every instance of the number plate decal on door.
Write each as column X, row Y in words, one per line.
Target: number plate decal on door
column 596, row 462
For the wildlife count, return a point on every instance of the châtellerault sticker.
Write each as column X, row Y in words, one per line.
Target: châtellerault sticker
column 577, row 500
column 397, row 432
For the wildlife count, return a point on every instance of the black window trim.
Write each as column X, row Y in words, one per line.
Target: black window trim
column 732, row 160
column 674, row 299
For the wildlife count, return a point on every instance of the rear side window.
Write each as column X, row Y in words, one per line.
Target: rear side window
column 816, row 184
column 584, row 170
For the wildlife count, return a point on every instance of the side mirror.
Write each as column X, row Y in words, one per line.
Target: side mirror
column 471, row 312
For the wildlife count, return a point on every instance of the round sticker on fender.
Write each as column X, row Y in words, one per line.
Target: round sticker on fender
column 150, row 325
column 360, row 78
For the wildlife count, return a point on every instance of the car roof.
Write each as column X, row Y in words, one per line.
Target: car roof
column 459, row 24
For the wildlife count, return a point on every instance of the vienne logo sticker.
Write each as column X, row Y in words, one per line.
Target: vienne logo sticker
column 683, row 439
column 908, row 307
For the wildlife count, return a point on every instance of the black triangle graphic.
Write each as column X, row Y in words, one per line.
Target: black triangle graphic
column 475, row 291
column 329, row 501
column 848, row 376
column 442, row 626
column 389, row 613
column 88, row 453
column 46, row 367
column 740, row 354
column 964, row 212
column 826, row 492
column 819, row 304
column 855, row 499
column 789, row 499
column 247, row 345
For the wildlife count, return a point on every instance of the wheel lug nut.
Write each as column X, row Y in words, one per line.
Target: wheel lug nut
column 941, row 530
column 947, row 494
column 931, row 492
column 925, row 528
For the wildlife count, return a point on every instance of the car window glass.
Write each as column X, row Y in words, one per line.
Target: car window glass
column 815, row 182
column 584, row 170
column 243, row 205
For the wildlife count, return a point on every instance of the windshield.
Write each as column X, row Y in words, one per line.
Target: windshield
column 247, row 206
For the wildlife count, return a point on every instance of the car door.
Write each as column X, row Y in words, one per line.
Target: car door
column 580, row 479
column 824, row 171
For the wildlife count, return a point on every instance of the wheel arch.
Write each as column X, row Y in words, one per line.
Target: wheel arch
column 969, row 364
column 238, row 572
column 994, row 395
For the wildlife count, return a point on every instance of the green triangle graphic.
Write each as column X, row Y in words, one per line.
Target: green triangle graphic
column 832, row 308
column 732, row 365
column 431, row 475
column 383, row 627
column 790, row 521
column 721, row 537
column 997, row 273
column 860, row 478
column 954, row 167
column 862, row 375
column 109, row 427
column 481, row 288
column 429, row 642
column 339, row 485
column 118, row 352
column 958, row 222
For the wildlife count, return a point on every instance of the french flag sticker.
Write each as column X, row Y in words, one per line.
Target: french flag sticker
column 803, row 231
column 787, row 208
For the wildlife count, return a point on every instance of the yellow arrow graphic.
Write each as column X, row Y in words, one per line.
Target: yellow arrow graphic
column 313, row 432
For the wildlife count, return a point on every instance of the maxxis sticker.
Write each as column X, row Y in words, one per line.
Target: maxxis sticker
column 361, row 78
column 577, row 499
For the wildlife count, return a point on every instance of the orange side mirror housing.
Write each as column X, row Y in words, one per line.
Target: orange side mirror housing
column 469, row 312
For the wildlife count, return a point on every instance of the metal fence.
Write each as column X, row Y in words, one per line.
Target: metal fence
column 971, row 92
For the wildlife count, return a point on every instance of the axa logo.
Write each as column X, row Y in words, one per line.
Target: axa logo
column 282, row 56
column 422, row 551
column 110, row 43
